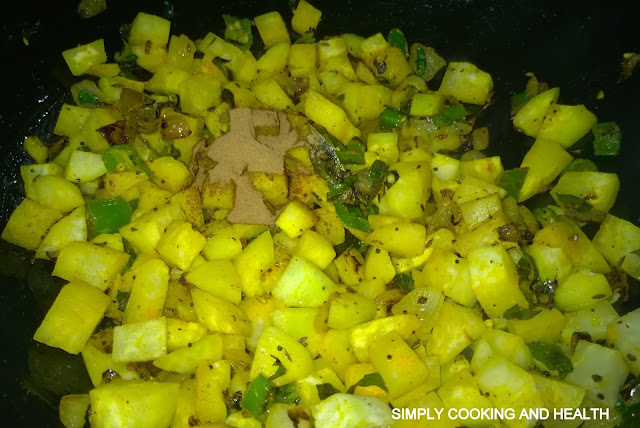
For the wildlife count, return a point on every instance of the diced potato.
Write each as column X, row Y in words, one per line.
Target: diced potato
column 426, row 104
column 485, row 169
column 185, row 360
column 494, row 280
column 545, row 160
column 167, row 79
column 472, row 189
column 509, row 386
column 36, row 149
column 97, row 362
column 449, row 273
column 332, row 56
column 362, row 336
column 57, row 193
column 274, row 187
column 272, row 29
column 599, row 189
column 303, row 284
column 81, row 59
column 180, row 244
column 150, row 28
column 181, row 51
column 91, row 263
column 270, row 93
column 365, row 102
column 170, row 174
column 275, row 59
column 218, row 315
column 461, row 392
column 616, row 238
column 565, row 125
column 624, row 334
column 300, row 323
column 409, row 194
column 333, row 118
column 402, row 239
column 305, row 19
column 198, row 94
column 378, row 265
column 73, row 410
column 186, row 405
column 592, row 320
column 467, row 83
column 349, row 310
column 530, row 117
column 316, row 249
column 252, row 261
column 601, row 370
column 349, row 267
column 274, row 345
column 133, row 403
column 219, row 195
column 477, row 211
column 456, row 328
column 120, row 183
column 219, row 278
column 558, row 395
column 149, row 292
column 399, row 366
column 302, row 59
column 144, row 232
column 546, row 326
column 69, row 229
column 384, row 145
column 181, row 333
column 552, row 263
column 425, row 303
column 141, row 341
column 109, row 240
column 222, row 241
column 507, row 345
column 210, row 403
column 179, row 303
column 74, row 315
column 352, row 411
column 580, row 290
column 329, row 224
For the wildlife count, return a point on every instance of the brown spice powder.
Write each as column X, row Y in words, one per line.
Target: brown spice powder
column 256, row 142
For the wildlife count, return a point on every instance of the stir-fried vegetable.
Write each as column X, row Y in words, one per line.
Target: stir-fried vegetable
column 403, row 267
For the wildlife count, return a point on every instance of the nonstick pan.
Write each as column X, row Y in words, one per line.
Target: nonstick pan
column 575, row 45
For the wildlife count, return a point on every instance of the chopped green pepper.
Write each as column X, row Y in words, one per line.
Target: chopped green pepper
column 396, row 38
column 353, row 153
column 449, row 115
column 86, row 97
column 518, row 101
column 512, row 180
column 124, row 157
column 392, row 118
column 255, row 400
column 238, row 31
column 607, row 139
column 425, row 61
column 109, row 215
column 421, row 61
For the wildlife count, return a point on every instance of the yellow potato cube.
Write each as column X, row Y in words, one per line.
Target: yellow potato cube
column 90, row 263
column 149, row 292
column 73, row 410
column 303, row 284
column 141, row 341
column 180, row 244
column 210, row 403
column 170, row 174
column 315, row 248
column 29, row 224
column 180, row 333
column 272, row 29
column 218, row 315
column 146, row 27
column 274, row 343
column 295, row 219
column 82, row 58
column 185, row 360
column 219, row 278
column 253, row 261
column 456, row 328
column 74, row 315
column 305, row 19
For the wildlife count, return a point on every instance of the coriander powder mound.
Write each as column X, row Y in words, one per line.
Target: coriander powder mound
column 256, row 142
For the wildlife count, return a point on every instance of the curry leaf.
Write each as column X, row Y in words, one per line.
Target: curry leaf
column 520, row 313
column 404, row 282
column 512, row 180
column 552, row 357
column 279, row 372
column 326, row 390
column 286, row 394
column 122, row 298
column 352, row 216
column 371, row 379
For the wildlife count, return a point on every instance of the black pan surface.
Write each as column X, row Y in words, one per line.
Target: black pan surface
column 575, row 45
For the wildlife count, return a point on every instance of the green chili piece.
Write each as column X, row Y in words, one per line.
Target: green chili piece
column 352, row 216
column 392, row 118
column 449, row 115
column 421, row 61
column 255, row 400
column 607, row 139
column 124, row 157
column 396, row 38
column 239, row 31
column 109, row 215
